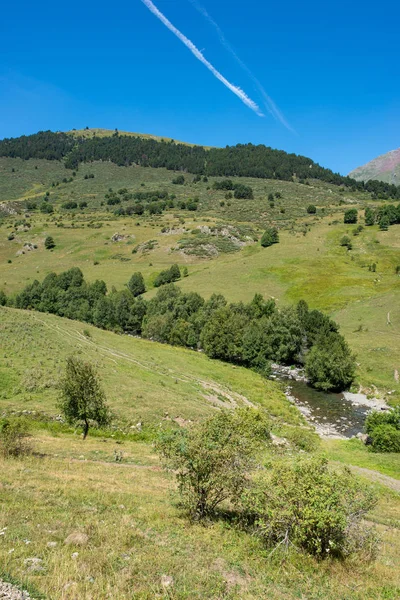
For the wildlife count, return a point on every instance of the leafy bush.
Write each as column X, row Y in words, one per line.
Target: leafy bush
column 384, row 430
column 385, row 438
column 311, row 209
column 49, row 243
column 383, row 417
column 70, row 205
column 312, row 507
column 243, row 191
column 350, row 216
column 211, row 459
column 179, row 180
column 269, row 237
column 346, row 242
column 168, row 276
column 14, row 434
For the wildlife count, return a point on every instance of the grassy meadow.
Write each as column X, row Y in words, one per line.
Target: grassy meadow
column 139, row 545
column 308, row 263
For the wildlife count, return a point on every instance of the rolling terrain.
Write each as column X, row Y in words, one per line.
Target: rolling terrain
column 109, row 492
column 216, row 243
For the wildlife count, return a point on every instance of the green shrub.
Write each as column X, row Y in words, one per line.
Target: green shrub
column 385, row 438
column 49, row 243
column 211, row 459
column 346, row 242
column 350, row 216
column 311, row 209
column 307, row 505
column 380, row 417
column 269, row 237
column 14, row 436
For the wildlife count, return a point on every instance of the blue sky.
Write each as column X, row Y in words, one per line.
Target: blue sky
column 332, row 69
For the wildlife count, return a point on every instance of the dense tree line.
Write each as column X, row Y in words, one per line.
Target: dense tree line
column 384, row 216
column 45, row 144
column 242, row 160
column 250, row 334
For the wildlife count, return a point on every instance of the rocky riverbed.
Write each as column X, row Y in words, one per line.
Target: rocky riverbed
column 334, row 415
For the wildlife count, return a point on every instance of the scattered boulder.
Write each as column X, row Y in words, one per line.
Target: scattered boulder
column 278, row 441
column 29, row 247
column 77, row 538
column 118, row 237
column 365, row 438
column 167, row 581
column 34, row 564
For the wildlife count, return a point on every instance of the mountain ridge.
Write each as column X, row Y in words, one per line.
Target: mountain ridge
column 385, row 167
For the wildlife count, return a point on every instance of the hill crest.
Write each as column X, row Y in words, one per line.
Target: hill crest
column 385, row 167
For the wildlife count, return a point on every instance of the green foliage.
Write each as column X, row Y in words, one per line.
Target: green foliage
column 350, row 216
column 46, row 208
column 311, row 209
column 384, row 223
column 346, row 242
column 14, row 434
column 330, row 365
column 243, row 191
column 211, row 459
column 70, row 205
column 82, row 398
column 49, row 243
column 240, row 190
column 383, row 417
column 179, row 180
column 369, row 217
column 136, row 284
column 385, row 438
column 312, row 507
column 250, row 334
column 269, row 237
column 384, row 429
column 168, row 276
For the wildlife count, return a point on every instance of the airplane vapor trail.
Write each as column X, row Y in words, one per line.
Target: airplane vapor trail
column 269, row 103
column 233, row 88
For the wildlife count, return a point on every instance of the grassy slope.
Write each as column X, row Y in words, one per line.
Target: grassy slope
column 311, row 266
column 98, row 132
column 142, row 379
column 136, row 535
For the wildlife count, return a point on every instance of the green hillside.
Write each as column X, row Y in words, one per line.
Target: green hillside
column 308, row 263
column 144, row 380
column 130, row 536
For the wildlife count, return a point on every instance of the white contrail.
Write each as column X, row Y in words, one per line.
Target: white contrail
column 269, row 103
column 236, row 90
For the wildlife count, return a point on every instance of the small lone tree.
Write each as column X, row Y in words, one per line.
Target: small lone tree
column 212, row 458
column 136, row 284
column 350, row 216
column 311, row 209
column 49, row 243
column 82, row 397
column 270, row 236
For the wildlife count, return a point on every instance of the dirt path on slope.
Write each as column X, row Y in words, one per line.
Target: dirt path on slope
column 375, row 476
